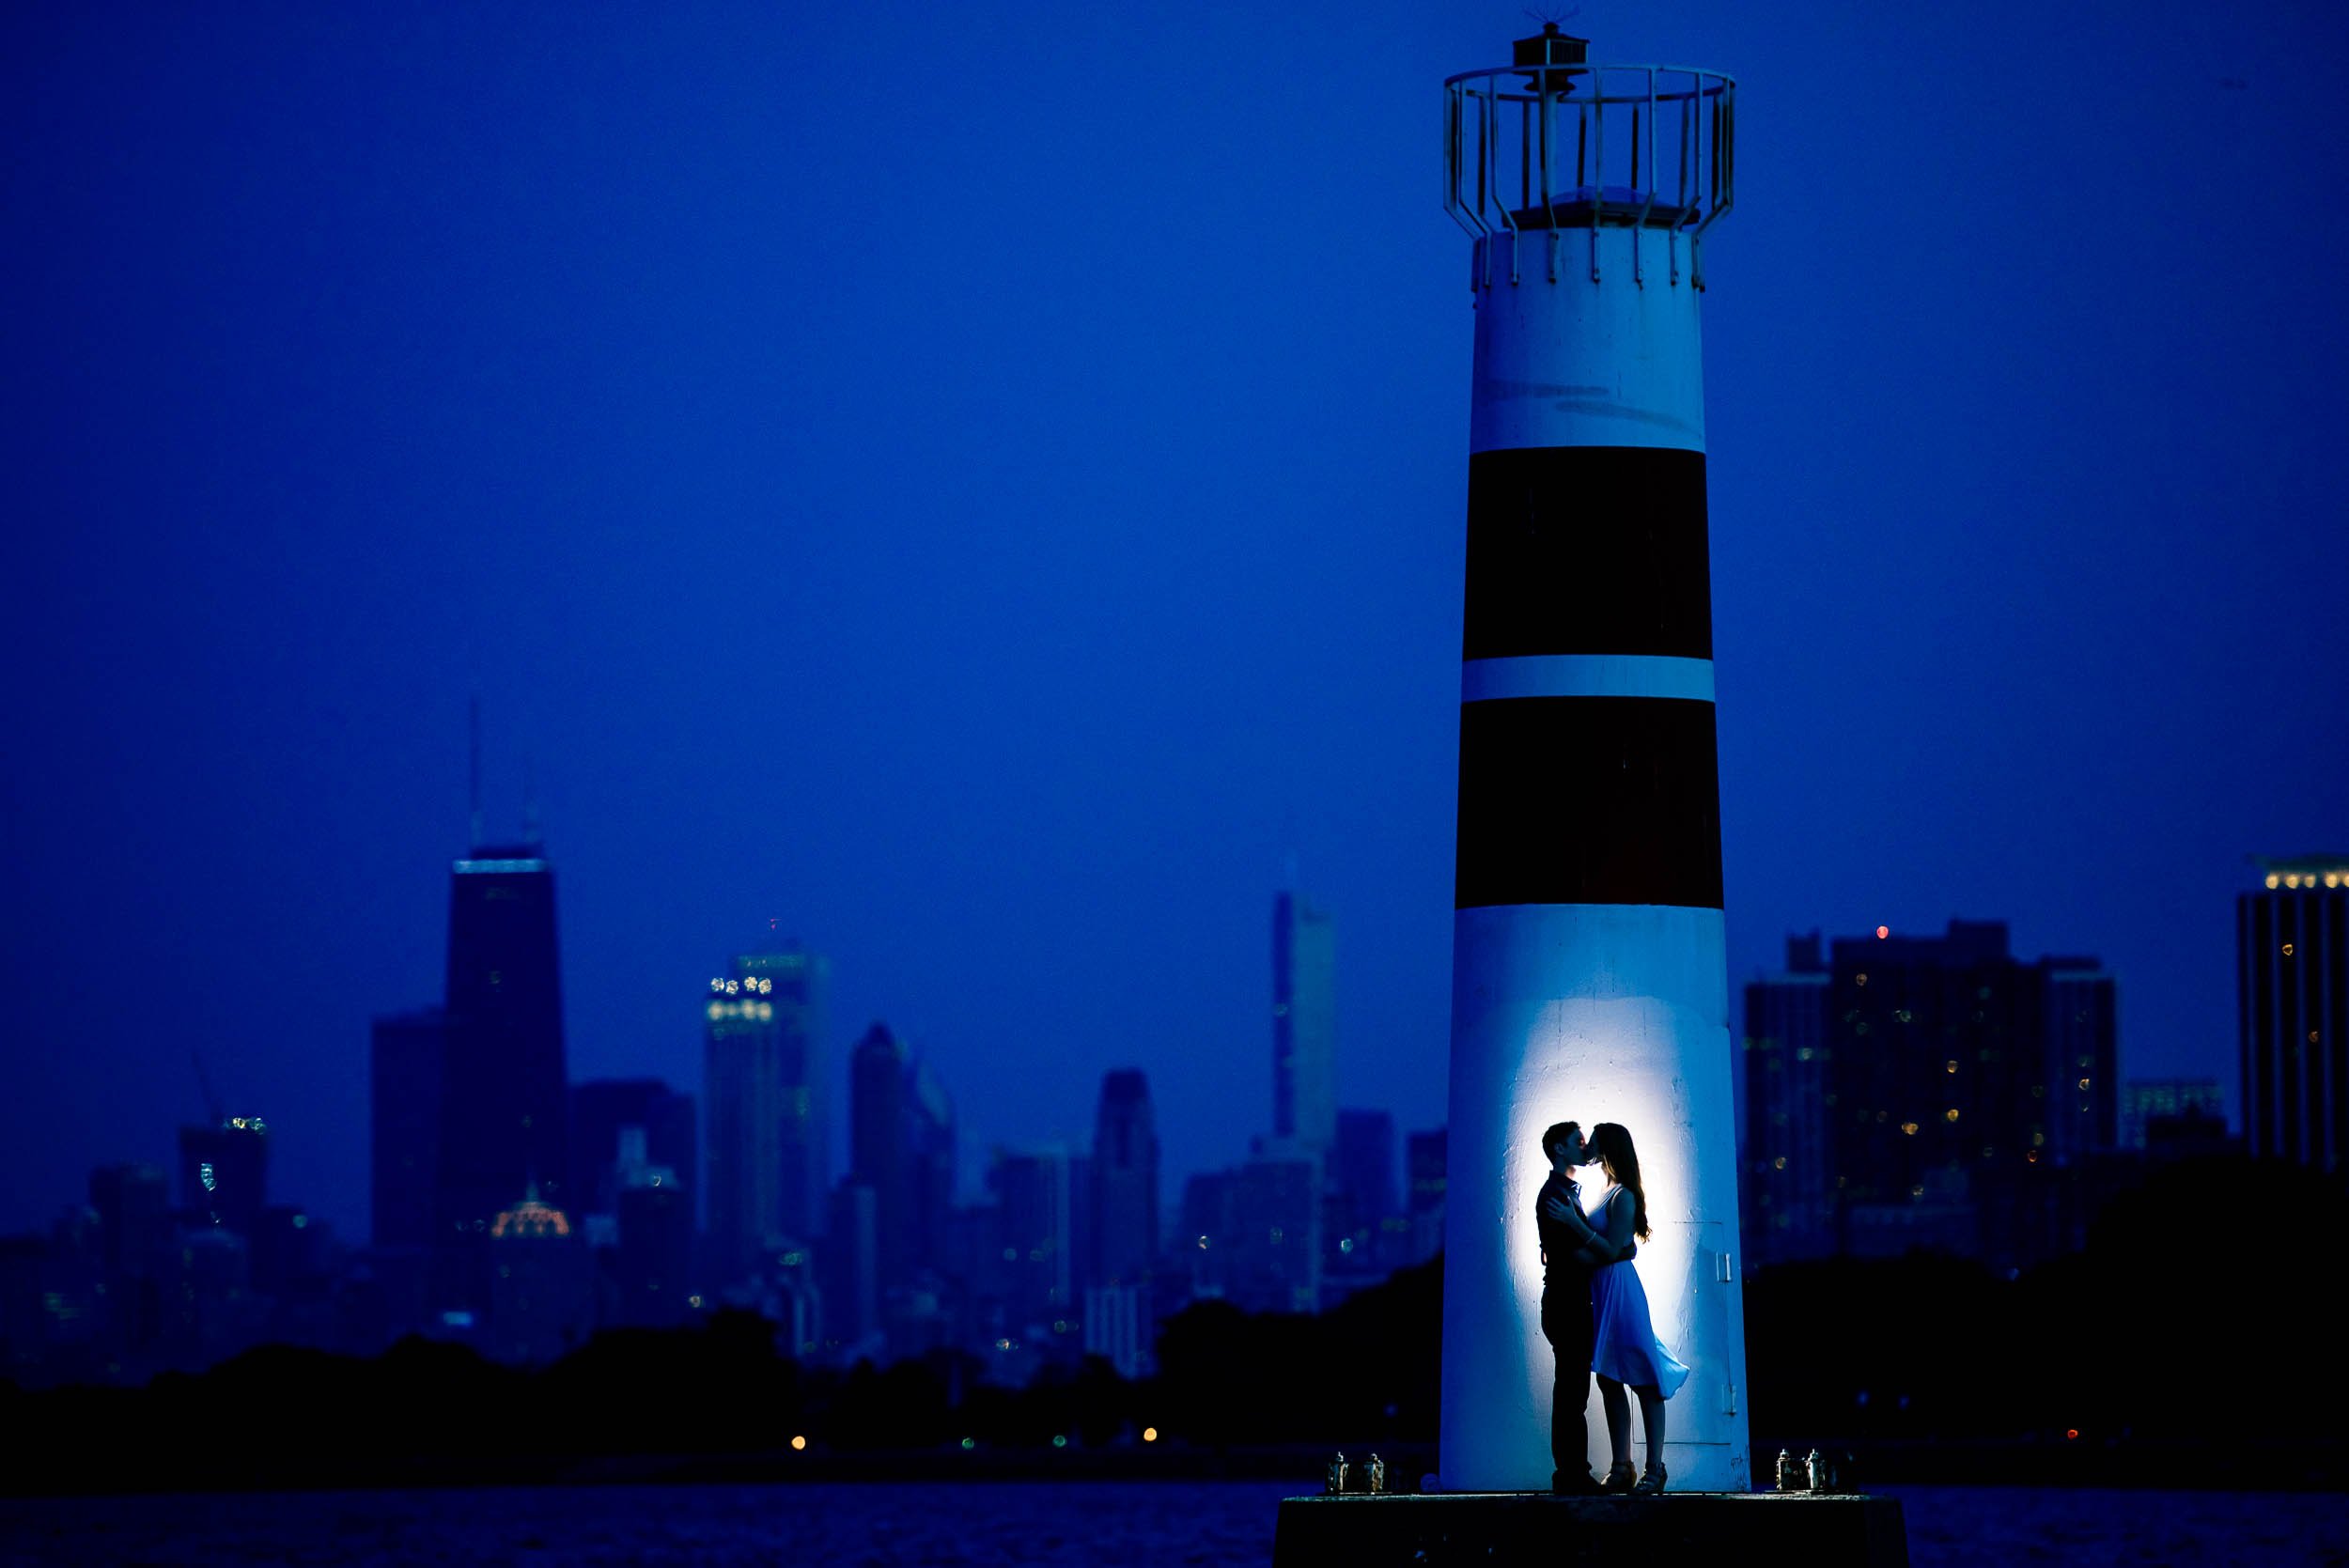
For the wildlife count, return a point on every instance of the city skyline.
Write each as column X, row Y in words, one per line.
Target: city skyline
column 969, row 1172
column 1000, row 615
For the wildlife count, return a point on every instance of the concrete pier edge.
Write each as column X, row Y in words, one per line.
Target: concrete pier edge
column 1820, row 1530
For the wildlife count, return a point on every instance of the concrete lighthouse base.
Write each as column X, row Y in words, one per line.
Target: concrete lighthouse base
column 1507, row 1528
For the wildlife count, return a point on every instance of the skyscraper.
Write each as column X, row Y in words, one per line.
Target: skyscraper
column 406, row 1064
column 2144, row 1101
column 794, row 984
column 2083, row 1068
column 1966, row 1094
column 1304, row 1024
column 2292, row 968
column 602, row 1109
column 902, row 1136
column 1361, row 1194
column 742, row 1093
column 1032, row 1195
column 1253, row 1234
column 655, row 1256
column 505, row 1097
column 851, row 1268
column 1787, row 1188
column 1425, row 1155
column 223, row 1172
column 1125, row 1172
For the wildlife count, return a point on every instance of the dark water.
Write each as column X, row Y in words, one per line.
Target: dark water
column 1047, row 1523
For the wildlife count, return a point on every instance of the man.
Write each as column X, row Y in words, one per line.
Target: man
column 1571, row 1253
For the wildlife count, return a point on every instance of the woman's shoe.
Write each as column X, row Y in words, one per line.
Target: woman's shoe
column 1621, row 1477
column 1651, row 1483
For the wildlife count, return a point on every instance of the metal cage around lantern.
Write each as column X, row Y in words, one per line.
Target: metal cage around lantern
column 1651, row 148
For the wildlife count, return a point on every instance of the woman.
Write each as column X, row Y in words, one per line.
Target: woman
column 1627, row 1353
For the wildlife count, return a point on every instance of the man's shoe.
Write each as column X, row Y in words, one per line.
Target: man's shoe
column 1573, row 1484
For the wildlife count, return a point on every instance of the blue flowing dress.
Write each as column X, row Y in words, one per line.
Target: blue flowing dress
column 1627, row 1348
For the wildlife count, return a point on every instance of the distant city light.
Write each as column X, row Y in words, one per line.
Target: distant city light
column 1149, row 1433
column 797, row 1443
column 1882, row 932
column 2071, row 1434
column 970, row 1442
column 692, row 1300
column 1059, row 1441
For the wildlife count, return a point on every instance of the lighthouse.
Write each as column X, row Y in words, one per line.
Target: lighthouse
column 1589, row 981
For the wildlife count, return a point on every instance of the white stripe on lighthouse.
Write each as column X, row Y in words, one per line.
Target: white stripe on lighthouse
column 1586, row 674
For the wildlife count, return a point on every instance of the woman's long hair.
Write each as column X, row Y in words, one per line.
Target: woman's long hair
column 1613, row 1144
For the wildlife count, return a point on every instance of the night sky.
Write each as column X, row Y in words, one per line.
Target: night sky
column 983, row 489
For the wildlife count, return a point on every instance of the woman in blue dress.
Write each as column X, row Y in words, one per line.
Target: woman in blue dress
column 1627, row 1354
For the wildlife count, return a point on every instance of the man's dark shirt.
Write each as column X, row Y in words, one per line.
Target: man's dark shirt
column 1559, row 1243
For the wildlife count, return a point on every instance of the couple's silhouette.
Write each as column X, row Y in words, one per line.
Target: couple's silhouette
column 1595, row 1311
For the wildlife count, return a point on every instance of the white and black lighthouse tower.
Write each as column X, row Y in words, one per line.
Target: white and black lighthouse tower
column 1589, row 981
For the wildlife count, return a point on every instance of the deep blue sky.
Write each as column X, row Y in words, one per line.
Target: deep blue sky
column 984, row 488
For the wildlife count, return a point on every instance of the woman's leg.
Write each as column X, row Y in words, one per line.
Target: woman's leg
column 1618, row 1418
column 1651, row 1422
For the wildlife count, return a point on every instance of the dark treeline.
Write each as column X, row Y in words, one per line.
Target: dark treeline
column 2200, row 1313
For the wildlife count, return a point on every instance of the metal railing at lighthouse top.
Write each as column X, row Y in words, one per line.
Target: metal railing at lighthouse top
column 1546, row 149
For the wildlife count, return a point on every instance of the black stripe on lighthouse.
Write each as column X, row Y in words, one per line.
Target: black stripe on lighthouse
column 1587, row 549
column 1589, row 800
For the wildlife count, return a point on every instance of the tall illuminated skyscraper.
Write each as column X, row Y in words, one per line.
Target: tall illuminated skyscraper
column 763, row 1084
column 505, row 1099
column 1304, row 1024
column 742, row 1089
column 794, row 984
column 2291, row 963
